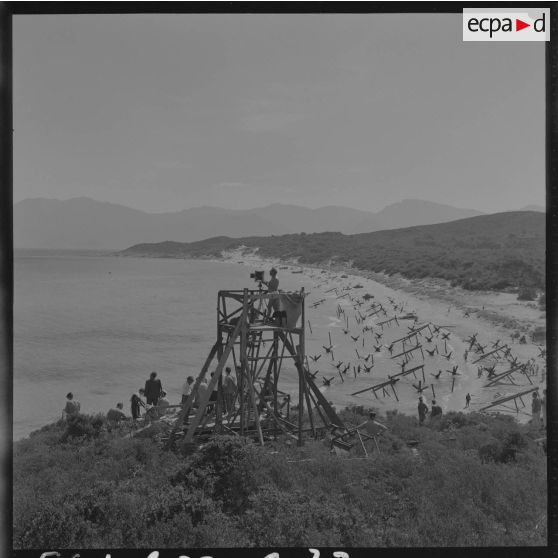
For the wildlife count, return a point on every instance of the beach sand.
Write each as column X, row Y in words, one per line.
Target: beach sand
column 492, row 316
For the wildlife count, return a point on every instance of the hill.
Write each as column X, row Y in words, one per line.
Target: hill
column 472, row 480
column 488, row 252
column 83, row 223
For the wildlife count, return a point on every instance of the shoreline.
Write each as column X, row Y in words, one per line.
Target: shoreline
column 431, row 300
column 492, row 316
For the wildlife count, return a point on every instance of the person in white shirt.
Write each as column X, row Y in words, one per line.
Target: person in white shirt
column 229, row 389
column 187, row 388
column 202, row 389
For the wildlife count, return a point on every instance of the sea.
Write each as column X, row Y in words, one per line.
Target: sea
column 97, row 324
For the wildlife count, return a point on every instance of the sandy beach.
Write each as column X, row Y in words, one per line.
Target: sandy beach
column 492, row 316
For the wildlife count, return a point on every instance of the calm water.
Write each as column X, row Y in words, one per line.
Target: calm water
column 97, row 325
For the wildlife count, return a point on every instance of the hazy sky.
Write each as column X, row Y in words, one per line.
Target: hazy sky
column 166, row 112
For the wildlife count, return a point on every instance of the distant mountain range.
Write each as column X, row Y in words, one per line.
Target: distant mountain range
column 84, row 223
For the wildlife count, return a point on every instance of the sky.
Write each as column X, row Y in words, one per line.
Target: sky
column 166, row 112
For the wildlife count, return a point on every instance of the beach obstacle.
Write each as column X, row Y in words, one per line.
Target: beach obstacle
column 507, row 376
column 501, row 402
column 412, row 371
column 493, row 352
column 257, row 347
column 409, row 352
column 388, row 322
column 382, row 386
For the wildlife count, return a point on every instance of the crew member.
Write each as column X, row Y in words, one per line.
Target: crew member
column 135, row 404
column 436, row 410
column 536, row 410
column 229, row 389
column 153, row 389
column 187, row 388
column 272, row 287
column 422, row 410
column 116, row 415
column 72, row 407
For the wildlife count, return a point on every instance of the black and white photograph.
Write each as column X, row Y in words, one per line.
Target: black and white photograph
column 278, row 281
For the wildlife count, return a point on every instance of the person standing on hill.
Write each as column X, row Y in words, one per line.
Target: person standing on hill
column 153, row 389
column 229, row 389
column 467, row 400
column 422, row 411
column 187, row 388
column 536, row 410
column 213, row 396
column 436, row 410
column 135, row 404
column 72, row 407
column 372, row 426
column 202, row 389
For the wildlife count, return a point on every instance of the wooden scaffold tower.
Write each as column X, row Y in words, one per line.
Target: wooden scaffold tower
column 257, row 333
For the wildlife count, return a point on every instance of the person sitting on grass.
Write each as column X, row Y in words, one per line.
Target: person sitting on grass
column 162, row 404
column 116, row 415
column 72, row 407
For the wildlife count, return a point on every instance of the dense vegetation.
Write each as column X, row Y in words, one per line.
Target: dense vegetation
column 474, row 480
column 489, row 252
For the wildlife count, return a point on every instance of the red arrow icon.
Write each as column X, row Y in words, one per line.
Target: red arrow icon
column 519, row 25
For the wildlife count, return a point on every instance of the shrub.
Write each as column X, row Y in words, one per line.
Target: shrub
column 527, row 293
column 85, row 426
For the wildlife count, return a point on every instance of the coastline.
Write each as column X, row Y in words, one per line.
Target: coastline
column 491, row 315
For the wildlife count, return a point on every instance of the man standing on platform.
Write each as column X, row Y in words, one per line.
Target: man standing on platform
column 272, row 287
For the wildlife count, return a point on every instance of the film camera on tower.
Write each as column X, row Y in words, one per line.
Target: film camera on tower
column 259, row 277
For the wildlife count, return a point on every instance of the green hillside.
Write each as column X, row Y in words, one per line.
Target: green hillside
column 471, row 480
column 488, row 252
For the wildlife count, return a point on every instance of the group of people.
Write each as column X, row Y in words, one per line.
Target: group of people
column 229, row 392
column 435, row 411
column 152, row 399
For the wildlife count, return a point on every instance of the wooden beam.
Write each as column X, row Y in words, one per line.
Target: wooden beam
column 508, row 398
column 190, row 400
column 502, row 375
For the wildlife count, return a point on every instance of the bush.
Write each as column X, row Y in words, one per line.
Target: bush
column 527, row 293
column 486, row 487
column 85, row 426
